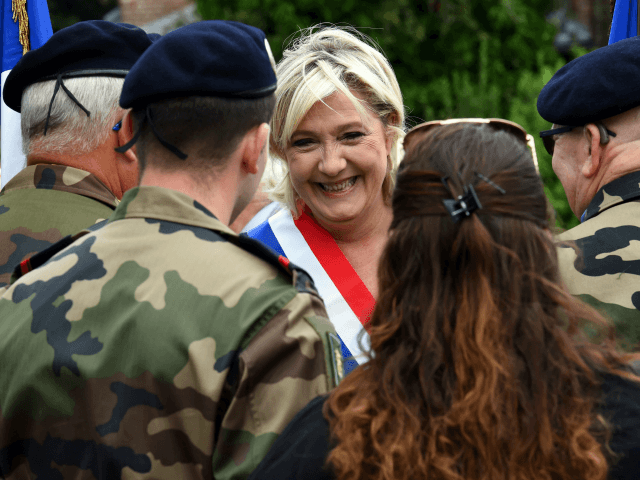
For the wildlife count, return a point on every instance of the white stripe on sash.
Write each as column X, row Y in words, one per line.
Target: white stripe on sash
column 296, row 249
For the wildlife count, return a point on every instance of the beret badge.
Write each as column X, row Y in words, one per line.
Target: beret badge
column 270, row 53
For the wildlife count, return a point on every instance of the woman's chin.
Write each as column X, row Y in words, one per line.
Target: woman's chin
column 335, row 217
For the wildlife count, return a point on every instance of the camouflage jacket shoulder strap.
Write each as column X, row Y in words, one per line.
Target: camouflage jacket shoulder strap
column 302, row 281
column 40, row 258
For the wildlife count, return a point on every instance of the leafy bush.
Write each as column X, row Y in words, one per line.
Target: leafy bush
column 455, row 58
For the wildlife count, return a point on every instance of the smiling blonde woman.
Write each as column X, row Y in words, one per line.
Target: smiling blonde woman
column 336, row 129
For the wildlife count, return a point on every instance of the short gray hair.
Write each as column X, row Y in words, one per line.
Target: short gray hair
column 70, row 130
column 323, row 61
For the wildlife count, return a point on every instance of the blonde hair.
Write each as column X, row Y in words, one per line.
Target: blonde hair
column 320, row 62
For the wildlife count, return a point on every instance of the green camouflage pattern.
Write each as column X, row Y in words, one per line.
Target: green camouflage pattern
column 156, row 347
column 44, row 203
column 600, row 263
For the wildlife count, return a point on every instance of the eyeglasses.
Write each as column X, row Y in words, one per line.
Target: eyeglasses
column 549, row 142
column 496, row 123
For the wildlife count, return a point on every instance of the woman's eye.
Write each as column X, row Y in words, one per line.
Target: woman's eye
column 303, row 142
column 352, row 135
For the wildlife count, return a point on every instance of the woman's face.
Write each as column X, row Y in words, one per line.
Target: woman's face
column 338, row 163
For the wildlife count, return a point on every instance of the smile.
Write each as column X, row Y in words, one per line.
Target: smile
column 338, row 187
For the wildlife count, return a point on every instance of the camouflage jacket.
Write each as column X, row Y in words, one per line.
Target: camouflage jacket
column 44, row 203
column 158, row 346
column 601, row 262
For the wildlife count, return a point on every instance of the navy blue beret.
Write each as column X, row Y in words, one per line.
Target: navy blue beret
column 598, row 85
column 91, row 48
column 212, row 58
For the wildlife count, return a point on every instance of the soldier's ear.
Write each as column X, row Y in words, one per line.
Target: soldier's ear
column 254, row 145
column 125, row 134
column 593, row 150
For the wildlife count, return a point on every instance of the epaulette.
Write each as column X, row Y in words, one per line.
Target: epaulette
column 40, row 258
column 302, row 281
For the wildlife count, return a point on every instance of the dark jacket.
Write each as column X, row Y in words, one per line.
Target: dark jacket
column 301, row 451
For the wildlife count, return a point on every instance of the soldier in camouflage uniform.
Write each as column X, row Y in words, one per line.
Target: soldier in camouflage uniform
column 162, row 345
column 594, row 104
column 74, row 178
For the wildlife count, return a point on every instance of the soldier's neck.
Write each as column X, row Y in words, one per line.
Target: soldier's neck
column 213, row 192
column 101, row 162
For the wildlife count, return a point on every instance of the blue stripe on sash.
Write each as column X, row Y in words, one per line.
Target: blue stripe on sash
column 264, row 233
column 348, row 361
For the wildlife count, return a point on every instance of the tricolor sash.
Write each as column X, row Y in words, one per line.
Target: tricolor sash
column 348, row 302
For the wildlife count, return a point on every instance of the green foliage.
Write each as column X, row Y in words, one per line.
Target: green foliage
column 453, row 58
column 64, row 13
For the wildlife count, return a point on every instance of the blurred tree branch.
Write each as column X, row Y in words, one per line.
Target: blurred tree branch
column 67, row 12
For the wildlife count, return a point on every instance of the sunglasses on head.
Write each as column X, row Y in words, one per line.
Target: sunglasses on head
column 549, row 141
column 495, row 123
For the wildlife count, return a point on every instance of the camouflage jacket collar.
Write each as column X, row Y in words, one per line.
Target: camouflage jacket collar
column 621, row 190
column 64, row 179
column 170, row 205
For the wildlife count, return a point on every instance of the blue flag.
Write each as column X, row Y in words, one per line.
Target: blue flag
column 625, row 20
column 13, row 160
column 39, row 31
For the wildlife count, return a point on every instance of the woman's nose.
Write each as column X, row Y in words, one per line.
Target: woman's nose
column 333, row 162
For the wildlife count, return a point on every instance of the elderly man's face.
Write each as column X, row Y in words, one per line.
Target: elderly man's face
column 569, row 155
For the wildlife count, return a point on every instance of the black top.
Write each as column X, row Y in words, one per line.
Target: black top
column 300, row 451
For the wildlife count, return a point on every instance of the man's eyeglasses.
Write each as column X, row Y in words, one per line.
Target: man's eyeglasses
column 549, row 142
column 496, row 123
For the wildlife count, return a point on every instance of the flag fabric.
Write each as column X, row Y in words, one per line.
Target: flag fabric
column 39, row 23
column 625, row 20
column 348, row 302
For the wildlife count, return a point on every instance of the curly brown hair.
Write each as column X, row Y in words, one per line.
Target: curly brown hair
column 480, row 368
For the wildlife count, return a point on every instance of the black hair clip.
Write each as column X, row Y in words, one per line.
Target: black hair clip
column 464, row 205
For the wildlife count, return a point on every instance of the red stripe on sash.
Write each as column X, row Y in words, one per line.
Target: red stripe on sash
column 340, row 271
